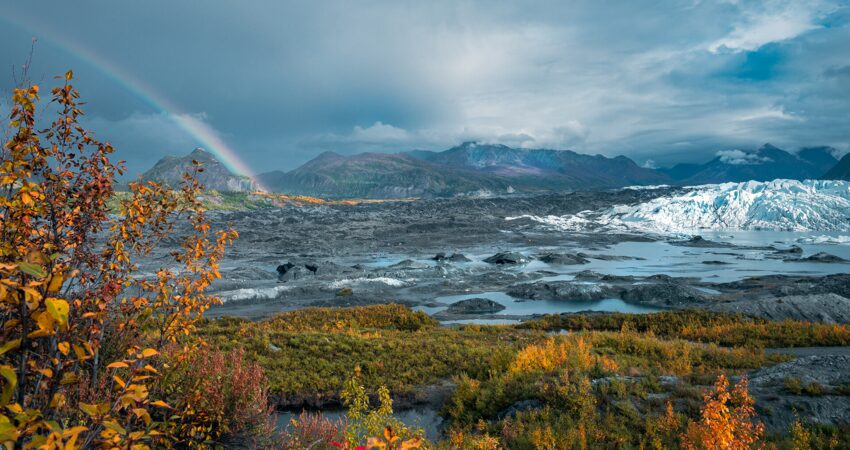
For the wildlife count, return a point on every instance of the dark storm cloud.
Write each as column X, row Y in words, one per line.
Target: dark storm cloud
column 282, row 81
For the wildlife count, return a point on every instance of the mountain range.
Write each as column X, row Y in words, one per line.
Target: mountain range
column 490, row 169
column 765, row 164
column 469, row 168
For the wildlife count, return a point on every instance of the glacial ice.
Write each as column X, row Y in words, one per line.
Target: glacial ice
column 780, row 205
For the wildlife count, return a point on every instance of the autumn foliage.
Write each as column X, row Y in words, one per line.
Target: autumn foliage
column 727, row 420
column 82, row 330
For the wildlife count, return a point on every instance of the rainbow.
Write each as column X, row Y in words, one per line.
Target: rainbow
column 198, row 129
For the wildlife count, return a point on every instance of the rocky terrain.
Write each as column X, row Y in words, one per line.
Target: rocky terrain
column 487, row 260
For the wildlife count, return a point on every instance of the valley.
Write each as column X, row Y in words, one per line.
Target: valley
column 487, row 275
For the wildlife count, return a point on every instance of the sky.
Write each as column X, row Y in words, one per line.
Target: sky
column 274, row 83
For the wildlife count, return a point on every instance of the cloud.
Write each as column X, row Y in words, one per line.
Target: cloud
column 649, row 164
column 741, row 158
column 290, row 79
column 378, row 133
column 141, row 139
column 775, row 24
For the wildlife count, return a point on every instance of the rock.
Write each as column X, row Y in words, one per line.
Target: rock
column 786, row 285
column 507, row 258
column 563, row 259
column 596, row 276
column 663, row 294
column 699, row 241
column 823, row 308
column 822, row 257
column 561, row 290
column 408, row 264
column 611, row 257
column 295, row 273
column 455, row 257
column 273, row 348
column 793, row 250
column 283, row 268
column 715, row 263
column 475, row 306
column 779, row 407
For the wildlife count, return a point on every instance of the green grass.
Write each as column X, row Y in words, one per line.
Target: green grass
column 730, row 330
column 308, row 354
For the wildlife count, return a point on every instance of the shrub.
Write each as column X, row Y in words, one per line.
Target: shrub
column 215, row 394
column 314, row 431
column 82, row 330
column 727, row 420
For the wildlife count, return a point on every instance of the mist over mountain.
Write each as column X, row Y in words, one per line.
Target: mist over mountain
column 764, row 164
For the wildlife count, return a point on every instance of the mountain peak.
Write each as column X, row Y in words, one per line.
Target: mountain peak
column 841, row 170
column 216, row 176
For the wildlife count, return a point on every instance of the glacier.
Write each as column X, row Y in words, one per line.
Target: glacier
column 779, row 205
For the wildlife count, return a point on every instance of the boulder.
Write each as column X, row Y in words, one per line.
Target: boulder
column 822, row 257
column 822, row 308
column 663, row 294
column 563, row 259
column 475, row 306
column 507, row 258
column 561, row 290
column 822, row 400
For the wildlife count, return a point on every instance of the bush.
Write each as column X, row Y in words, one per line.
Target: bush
column 215, row 394
column 314, row 431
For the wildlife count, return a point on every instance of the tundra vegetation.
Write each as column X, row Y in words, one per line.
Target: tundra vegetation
column 96, row 354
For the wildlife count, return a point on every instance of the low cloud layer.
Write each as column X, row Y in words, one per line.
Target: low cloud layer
column 283, row 81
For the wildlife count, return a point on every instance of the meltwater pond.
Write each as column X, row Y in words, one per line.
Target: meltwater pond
column 519, row 307
column 745, row 254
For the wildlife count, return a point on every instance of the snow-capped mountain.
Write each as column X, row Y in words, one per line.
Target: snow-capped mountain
column 790, row 205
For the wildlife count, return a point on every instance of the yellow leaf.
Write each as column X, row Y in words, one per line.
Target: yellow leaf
column 411, row 444
column 55, row 283
column 11, row 381
column 161, row 404
column 143, row 414
column 118, row 365
column 64, row 347
column 10, row 345
column 95, row 409
column 148, row 352
column 119, row 381
column 58, row 309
